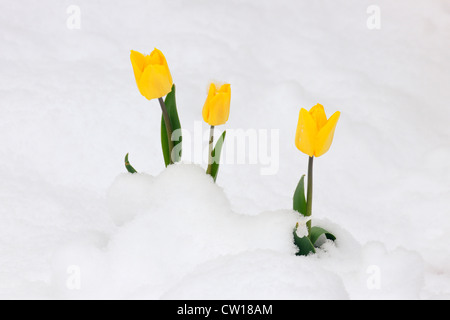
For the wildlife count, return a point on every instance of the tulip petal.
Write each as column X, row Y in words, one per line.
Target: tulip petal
column 226, row 88
column 306, row 133
column 207, row 106
column 318, row 114
column 156, row 57
column 205, row 112
column 216, row 110
column 211, row 92
column 219, row 109
column 213, row 110
column 138, row 63
column 155, row 82
column 326, row 134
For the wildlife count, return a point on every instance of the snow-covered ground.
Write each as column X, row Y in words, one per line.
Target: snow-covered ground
column 73, row 224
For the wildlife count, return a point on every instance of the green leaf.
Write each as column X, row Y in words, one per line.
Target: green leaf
column 299, row 197
column 165, row 143
column 171, row 106
column 129, row 167
column 216, row 153
column 304, row 245
column 316, row 232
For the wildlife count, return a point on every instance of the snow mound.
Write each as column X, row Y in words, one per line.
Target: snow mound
column 177, row 238
column 168, row 225
column 259, row 275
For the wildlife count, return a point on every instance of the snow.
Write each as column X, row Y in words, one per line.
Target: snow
column 70, row 111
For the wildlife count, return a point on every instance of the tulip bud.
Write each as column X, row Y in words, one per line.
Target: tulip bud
column 217, row 106
column 314, row 132
column 152, row 74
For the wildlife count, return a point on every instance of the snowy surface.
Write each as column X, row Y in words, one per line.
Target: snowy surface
column 70, row 111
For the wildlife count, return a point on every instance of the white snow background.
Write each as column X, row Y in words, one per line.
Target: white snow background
column 70, row 111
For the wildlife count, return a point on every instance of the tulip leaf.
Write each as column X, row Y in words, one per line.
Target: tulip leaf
column 165, row 143
column 171, row 106
column 216, row 153
column 299, row 197
column 129, row 167
column 316, row 232
column 304, row 245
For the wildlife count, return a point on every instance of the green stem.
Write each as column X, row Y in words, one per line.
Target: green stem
column 309, row 196
column 168, row 126
column 211, row 147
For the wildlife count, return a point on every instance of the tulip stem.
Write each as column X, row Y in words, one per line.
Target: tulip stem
column 168, row 126
column 309, row 195
column 211, row 145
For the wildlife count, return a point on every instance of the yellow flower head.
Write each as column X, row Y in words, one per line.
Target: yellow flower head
column 217, row 106
column 152, row 74
column 314, row 132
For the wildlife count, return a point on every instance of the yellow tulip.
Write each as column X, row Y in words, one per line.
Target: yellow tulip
column 217, row 106
column 152, row 74
column 314, row 132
